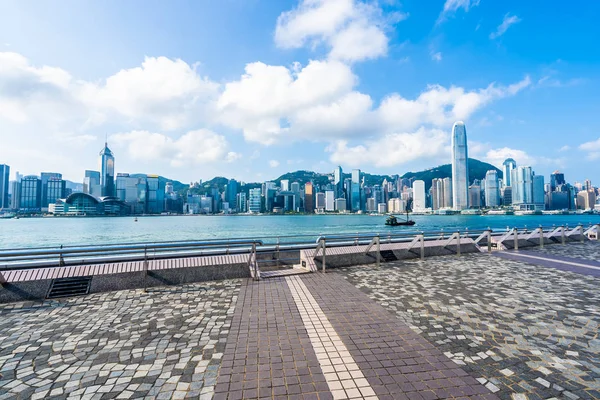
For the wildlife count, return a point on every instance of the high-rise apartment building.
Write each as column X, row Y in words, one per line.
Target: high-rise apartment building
column 492, row 189
column 309, row 199
column 460, row 167
column 419, row 197
column 107, row 171
column 507, row 168
column 4, row 178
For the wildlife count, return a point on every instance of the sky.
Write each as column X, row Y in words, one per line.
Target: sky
column 251, row 89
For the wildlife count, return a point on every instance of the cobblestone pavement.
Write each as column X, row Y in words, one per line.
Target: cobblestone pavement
column 586, row 251
column 165, row 344
column 525, row 331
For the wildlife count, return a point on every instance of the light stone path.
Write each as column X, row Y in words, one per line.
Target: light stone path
column 343, row 376
column 525, row 331
column 164, row 344
column 587, row 251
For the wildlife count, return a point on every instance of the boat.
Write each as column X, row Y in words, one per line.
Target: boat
column 393, row 221
column 135, row 219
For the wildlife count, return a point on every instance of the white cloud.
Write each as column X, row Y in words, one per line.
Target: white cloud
column 353, row 30
column 451, row 6
column 506, row 23
column 273, row 163
column 195, row 147
column 437, row 56
column 167, row 92
column 565, row 148
column 592, row 148
column 497, row 156
column 392, row 149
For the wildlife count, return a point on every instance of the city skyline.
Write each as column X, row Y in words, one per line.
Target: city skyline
column 289, row 93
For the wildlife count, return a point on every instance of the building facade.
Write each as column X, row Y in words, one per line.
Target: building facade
column 492, row 189
column 255, row 201
column 107, row 171
column 460, row 167
column 419, row 198
column 4, row 185
column 507, row 168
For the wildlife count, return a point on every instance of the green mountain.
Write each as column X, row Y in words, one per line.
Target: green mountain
column 323, row 179
column 477, row 170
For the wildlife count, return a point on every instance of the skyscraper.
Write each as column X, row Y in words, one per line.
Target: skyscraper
column 492, row 191
column 460, row 167
column 556, row 179
column 232, row 191
column 254, row 203
column 356, row 206
column 4, row 176
column 507, row 167
column 418, row 195
column 91, row 183
column 447, row 193
column 338, row 181
column 309, row 200
column 539, row 198
column 107, row 171
column 53, row 188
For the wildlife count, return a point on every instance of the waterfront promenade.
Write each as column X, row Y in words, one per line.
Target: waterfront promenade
column 475, row 326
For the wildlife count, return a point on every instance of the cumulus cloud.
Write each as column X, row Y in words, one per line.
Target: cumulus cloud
column 273, row 163
column 503, row 27
column 497, row 156
column 437, row 56
column 352, row 30
column 195, row 147
column 392, row 149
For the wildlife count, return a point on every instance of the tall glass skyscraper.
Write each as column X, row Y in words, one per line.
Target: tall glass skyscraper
column 107, row 171
column 338, row 181
column 460, row 167
column 507, row 167
column 4, row 175
column 356, row 206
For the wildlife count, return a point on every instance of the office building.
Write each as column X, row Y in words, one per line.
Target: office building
column 320, row 202
column 4, row 185
column 329, row 200
column 309, row 198
column 340, row 205
column 507, row 196
column 241, row 203
column 507, row 168
column 356, row 205
column 30, row 199
column 447, row 184
column 107, row 171
column 492, row 189
column 475, row 196
column 556, row 179
column 255, row 201
column 92, row 183
column 371, row 205
column 539, row 195
column 338, row 182
column 419, row 199
column 285, row 185
column 396, row 205
column 460, row 167
column 381, row 208
column 231, row 193
column 155, row 195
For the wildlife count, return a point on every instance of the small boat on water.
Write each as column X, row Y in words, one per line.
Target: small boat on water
column 393, row 221
column 135, row 219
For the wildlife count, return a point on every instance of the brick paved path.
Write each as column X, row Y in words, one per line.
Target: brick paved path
column 318, row 337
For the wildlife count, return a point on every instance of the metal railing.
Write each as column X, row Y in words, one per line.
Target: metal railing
column 276, row 245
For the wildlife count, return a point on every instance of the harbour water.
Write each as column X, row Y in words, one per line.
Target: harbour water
column 42, row 232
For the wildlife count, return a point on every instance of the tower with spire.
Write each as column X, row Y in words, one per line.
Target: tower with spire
column 107, row 171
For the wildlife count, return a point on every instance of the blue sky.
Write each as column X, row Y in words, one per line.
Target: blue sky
column 252, row 89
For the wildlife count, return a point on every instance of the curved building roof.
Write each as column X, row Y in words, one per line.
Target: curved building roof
column 76, row 195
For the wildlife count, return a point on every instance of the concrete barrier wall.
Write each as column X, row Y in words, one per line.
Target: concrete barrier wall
column 37, row 290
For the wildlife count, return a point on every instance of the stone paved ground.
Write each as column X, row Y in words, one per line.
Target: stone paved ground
column 523, row 329
column 165, row 344
column 587, row 251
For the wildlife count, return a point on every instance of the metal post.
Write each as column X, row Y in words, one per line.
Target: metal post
column 442, row 233
column 378, row 252
column 61, row 260
column 581, row 233
column 541, row 237
column 255, row 266
column 458, row 243
column 489, row 240
column 146, row 269
column 562, row 234
column 278, row 257
column 323, row 245
column 356, row 240
column 422, row 246
column 516, row 233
